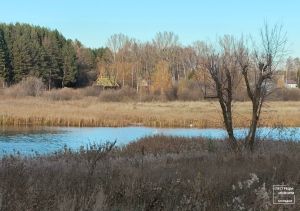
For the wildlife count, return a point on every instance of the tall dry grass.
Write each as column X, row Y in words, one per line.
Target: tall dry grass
column 155, row 173
column 30, row 86
column 89, row 111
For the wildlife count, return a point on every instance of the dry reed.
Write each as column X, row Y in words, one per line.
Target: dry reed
column 89, row 111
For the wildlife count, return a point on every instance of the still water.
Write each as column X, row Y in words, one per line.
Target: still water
column 43, row 140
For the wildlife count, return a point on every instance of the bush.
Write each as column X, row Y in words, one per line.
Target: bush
column 30, row 86
column 285, row 94
column 240, row 95
column 189, row 91
column 154, row 173
column 171, row 93
column 63, row 94
column 1, row 91
column 123, row 94
column 149, row 97
column 91, row 91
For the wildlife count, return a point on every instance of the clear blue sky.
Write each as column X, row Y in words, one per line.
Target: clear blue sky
column 93, row 21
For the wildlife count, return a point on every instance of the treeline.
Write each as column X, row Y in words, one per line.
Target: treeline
column 36, row 51
column 27, row 50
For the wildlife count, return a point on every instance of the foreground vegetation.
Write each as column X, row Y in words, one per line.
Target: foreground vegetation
column 154, row 173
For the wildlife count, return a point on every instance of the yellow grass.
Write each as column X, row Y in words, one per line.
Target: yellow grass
column 91, row 112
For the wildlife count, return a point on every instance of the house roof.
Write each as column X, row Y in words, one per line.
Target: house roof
column 106, row 82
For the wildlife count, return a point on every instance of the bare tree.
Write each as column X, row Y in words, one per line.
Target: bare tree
column 165, row 40
column 223, row 69
column 187, row 60
column 116, row 43
column 148, row 61
column 258, row 66
column 167, row 46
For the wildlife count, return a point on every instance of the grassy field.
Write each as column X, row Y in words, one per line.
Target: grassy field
column 154, row 173
column 91, row 112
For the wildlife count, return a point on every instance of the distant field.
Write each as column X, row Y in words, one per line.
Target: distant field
column 91, row 112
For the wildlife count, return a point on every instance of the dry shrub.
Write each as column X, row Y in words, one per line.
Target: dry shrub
column 63, row 94
column 30, row 86
column 190, row 95
column 189, row 91
column 169, row 94
column 241, row 95
column 155, row 173
column 160, row 145
column 91, row 91
column 2, row 83
column 149, row 97
column 286, row 94
column 120, row 95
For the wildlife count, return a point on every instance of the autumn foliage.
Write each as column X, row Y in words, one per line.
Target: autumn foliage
column 161, row 77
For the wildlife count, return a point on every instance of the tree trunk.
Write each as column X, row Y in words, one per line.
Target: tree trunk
column 250, row 139
column 227, row 116
column 49, row 81
column 123, row 78
column 256, row 106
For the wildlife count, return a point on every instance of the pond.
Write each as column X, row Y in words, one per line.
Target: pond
column 43, row 140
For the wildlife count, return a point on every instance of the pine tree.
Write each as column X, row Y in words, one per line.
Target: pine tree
column 22, row 62
column 70, row 69
column 5, row 69
column 27, row 50
column 35, row 53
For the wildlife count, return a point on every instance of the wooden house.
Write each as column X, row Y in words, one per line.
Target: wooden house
column 107, row 83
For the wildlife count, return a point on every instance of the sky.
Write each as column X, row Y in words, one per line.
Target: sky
column 94, row 21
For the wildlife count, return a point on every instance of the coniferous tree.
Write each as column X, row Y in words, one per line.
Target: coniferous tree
column 5, row 69
column 27, row 50
column 70, row 69
column 53, row 60
column 35, row 52
column 21, row 59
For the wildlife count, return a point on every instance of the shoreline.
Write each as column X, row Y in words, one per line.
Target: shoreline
column 132, row 125
column 197, row 124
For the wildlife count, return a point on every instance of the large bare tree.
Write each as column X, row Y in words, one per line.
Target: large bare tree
column 258, row 65
column 232, row 61
column 222, row 66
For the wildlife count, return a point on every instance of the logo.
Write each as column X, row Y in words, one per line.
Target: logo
column 283, row 194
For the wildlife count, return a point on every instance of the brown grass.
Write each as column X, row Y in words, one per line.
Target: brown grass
column 91, row 112
column 155, row 173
